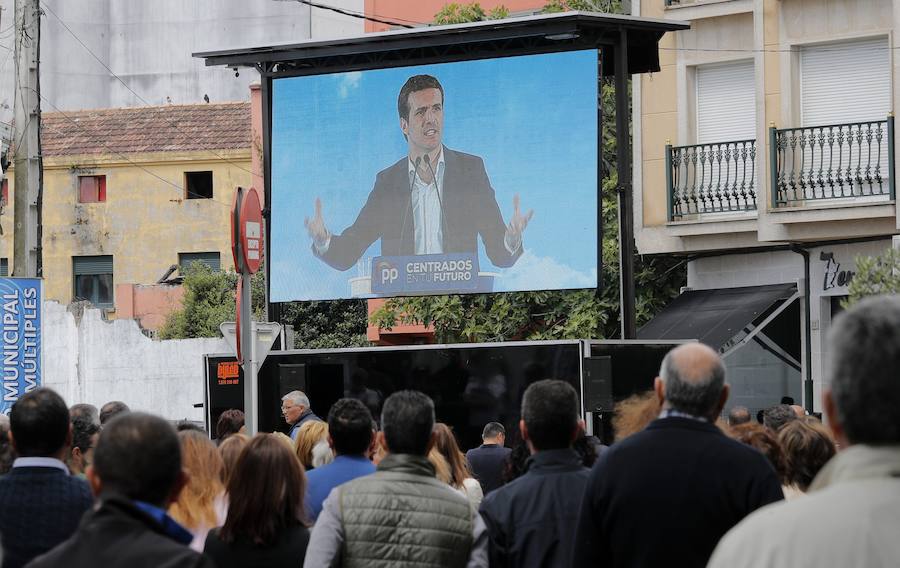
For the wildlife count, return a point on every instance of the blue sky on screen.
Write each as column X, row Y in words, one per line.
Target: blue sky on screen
column 533, row 119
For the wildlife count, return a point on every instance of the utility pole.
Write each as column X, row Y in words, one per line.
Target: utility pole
column 27, row 138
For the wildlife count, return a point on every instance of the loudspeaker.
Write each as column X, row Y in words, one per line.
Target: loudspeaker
column 598, row 394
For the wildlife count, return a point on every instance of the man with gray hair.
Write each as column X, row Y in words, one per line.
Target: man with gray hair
column 296, row 411
column 851, row 513
column 738, row 415
column 664, row 496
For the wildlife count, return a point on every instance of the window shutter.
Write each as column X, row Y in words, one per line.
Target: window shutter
column 845, row 82
column 83, row 265
column 4, row 267
column 726, row 102
column 210, row 259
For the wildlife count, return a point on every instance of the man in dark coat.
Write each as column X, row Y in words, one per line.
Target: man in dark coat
column 487, row 460
column 433, row 200
column 136, row 475
column 666, row 495
column 40, row 503
column 531, row 521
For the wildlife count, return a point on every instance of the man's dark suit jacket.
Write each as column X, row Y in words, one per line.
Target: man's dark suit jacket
column 665, row 496
column 487, row 461
column 39, row 508
column 469, row 207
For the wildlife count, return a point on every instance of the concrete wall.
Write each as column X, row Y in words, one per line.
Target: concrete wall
column 87, row 359
column 149, row 45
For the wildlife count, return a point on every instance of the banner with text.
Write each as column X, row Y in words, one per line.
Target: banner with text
column 21, row 332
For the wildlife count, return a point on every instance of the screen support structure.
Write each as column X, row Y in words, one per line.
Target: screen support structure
column 624, row 190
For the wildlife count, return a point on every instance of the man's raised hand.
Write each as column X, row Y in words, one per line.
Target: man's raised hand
column 316, row 226
column 518, row 222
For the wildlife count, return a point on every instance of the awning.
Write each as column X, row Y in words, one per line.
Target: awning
column 715, row 316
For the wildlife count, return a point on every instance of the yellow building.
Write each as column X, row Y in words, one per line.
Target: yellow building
column 130, row 192
column 764, row 154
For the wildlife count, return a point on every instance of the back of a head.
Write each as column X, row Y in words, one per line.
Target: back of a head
column 265, row 492
column 111, row 409
column 230, row 450
column 777, row 416
column 7, row 455
column 407, row 419
column 39, row 422
column 807, row 448
column 764, row 440
column 310, row 434
column 634, row 414
column 350, row 426
column 446, row 444
column 492, row 430
column 85, row 411
column 83, row 428
column 864, row 370
column 738, row 415
column 138, row 456
column 551, row 413
column 694, row 377
column 203, row 463
column 230, row 422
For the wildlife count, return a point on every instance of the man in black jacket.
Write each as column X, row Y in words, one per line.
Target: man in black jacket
column 136, row 475
column 487, row 460
column 40, row 503
column 666, row 495
column 531, row 520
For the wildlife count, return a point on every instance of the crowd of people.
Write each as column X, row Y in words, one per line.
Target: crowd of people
column 685, row 483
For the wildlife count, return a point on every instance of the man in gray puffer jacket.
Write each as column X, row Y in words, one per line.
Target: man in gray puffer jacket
column 401, row 514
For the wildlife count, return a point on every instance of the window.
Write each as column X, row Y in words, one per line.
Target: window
column 210, row 259
column 91, row 189
column 93, row 277
column 4, row 193
column 4, row 267
column 198, row 185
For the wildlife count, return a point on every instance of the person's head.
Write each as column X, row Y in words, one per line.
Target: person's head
column 111, row 409
column 764, row 440
column 85, row 433
column 7, row 454
column 204, row 467
column 186, row 425
column 692, row 380
column 293, row 405
column 350, row 427
column 265, row 493
column 445, row 443
column 138, row 456
column 738, row 415
column 634, row 413
column 310, row 434
column 407, row 420
column 440, row 465
column 864, row 373
column 39, row 425
column 798, row 410
column 230, row 449
column 494, row 433
column 777, row 416
column 421, row 108
column 807, row 448
column 322, row 454
column 88, row 412
column 550, row 415
column 230, row 422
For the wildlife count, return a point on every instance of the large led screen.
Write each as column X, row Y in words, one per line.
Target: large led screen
column 464, row 177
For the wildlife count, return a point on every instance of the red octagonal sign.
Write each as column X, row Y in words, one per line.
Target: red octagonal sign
column 251, row 230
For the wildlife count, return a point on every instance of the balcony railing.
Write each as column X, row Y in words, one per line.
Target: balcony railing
column 711, row 178
column 835, row 162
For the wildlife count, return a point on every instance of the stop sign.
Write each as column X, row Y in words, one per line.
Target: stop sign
column 251, row 225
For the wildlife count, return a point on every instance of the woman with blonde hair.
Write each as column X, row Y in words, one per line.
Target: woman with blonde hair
column 230, row 449
column 634, row 414
column 201, row 505
column 310, row 434
column 460, row 477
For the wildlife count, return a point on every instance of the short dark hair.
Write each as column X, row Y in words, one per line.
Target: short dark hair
column 83, row 428
column 350, row 426
column 39, row 422
column 187, row 425
column 550, row 411
column 111, row 409
column 85, row 410
column 777, row 416
column 492, row 430
column 738, row 415
column 230, row 422
column 407, row 420
column 864, row 345
column 414, row 84
column 138, row 456
column 698, row 397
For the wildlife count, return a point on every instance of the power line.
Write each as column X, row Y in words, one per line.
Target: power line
column 362, row 15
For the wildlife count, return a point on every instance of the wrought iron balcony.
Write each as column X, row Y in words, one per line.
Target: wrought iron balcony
column 834, row 163
column 711, row 178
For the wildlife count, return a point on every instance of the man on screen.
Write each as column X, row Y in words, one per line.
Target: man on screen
column 433, row 201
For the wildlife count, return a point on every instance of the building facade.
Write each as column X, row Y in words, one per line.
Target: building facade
column 764, row 153
column 131, row 193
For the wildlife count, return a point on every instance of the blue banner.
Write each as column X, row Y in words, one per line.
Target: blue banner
column 20, row 306
column 428, row 274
